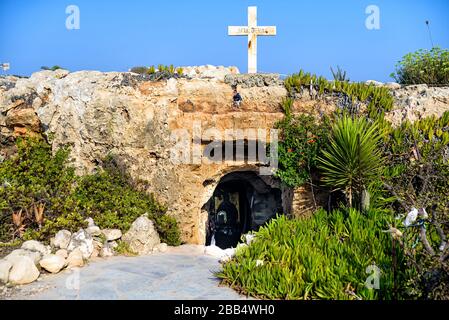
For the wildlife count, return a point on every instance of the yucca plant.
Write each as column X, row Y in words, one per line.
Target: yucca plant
column 339, row 74
column 352, row 158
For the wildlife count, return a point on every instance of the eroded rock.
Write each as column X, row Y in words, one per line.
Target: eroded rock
column 142, row 237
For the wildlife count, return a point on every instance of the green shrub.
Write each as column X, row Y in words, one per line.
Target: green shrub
column 34, row 176
column 151, row 70
column 416, row 176
column 429, row 67
column 322, row 257
column 301, row 138
column 140, row 70
column 352, row 158
column 109, row 196
column 124, row 249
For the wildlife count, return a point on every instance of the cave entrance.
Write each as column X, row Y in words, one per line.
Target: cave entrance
column 241, row 202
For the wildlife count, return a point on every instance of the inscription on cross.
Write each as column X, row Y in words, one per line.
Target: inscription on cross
column 252, row 31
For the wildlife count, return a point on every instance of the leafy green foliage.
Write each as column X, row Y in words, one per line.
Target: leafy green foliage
column 417, row 176
column 139, row 70
column 124, row 249
column 108, row 196
column 352, row 158
column 167, row 228
column 429, row 67
column 34, row 176
column 162, row 72
column 378, row 99
column 300, row 141
column 322, row 257
column 54, row 68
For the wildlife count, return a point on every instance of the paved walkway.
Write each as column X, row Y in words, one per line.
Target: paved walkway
column 178, row 274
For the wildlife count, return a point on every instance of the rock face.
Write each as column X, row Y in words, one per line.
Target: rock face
column 141, row 122
column 142, row 237
column 23, row 270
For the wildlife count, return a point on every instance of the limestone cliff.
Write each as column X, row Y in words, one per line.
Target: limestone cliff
column 97, row 114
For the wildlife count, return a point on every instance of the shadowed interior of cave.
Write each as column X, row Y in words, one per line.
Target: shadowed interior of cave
column 241, row 202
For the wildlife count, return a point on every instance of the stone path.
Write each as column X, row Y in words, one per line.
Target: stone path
column 182, row 273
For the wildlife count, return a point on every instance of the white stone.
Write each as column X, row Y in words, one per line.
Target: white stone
column 33, row 245
column 93, row 231
column 393, row 85
column 90, row 222
column 112, row 234
column 33, row 255
column 222, row 254
column 162, row 247
column 52, row 263
column 5, row 266
column 75, row 259
column 23, row 270
column 106, row 251
column 374, row 82
column 62, row 239
column 62, row 253
column 142, row 237
column 83, row 241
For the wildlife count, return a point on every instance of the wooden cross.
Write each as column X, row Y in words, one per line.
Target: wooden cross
column 252, row 31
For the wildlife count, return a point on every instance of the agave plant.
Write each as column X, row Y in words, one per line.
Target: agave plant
column 352, row 159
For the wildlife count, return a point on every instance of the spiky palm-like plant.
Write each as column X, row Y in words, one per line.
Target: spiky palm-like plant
column 352, row 158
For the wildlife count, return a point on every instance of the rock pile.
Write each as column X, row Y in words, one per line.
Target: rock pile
column 67, row 250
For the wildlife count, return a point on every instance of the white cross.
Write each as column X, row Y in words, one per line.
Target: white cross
column 252, row 31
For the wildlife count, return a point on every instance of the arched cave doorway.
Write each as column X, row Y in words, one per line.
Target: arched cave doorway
column 241, row 202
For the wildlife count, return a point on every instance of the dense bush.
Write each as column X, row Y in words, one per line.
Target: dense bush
column 140, row 70
column 322, row 257
column 36, row 178
column 417, row 178
column 32, row 179
column 300, row 140
column 429, row 67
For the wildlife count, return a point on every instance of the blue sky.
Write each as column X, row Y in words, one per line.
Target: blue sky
column 312, row 35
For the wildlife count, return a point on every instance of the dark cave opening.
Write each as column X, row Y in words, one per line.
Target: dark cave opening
column 242, row 202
